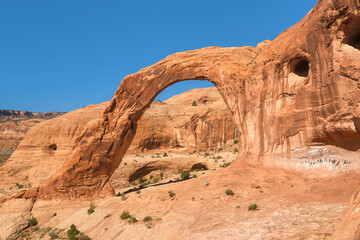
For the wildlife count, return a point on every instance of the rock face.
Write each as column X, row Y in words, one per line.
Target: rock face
column 176, row 125
column 173, row 126
column 46, row 145
column 13, row 127
column 288, row 97
column 349, row 228
column 15, row 124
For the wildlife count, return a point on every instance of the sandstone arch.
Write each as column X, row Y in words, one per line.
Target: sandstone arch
column 280, row 116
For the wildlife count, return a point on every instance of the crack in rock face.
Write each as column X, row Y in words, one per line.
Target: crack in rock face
column 286, row 96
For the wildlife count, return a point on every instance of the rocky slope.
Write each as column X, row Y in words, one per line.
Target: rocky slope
column 171, row 126
column 295, row 101
column 13, row 127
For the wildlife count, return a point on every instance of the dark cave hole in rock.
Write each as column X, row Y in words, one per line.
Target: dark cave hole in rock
column 352, row 32
column 52, row 147
column 301, row 68
column 354, row 40
column 199, row 166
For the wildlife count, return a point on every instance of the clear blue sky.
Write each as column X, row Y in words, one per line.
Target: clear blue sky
column 61, row 55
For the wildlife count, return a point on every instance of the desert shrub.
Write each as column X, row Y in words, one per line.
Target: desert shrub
column 207, row 154
column 147, row 219
column 32, row 222
column 220, row 149
column 138, row 191
column 225, row 165
column 123, row 196
column 235, row 150
column 82, row 236
column 72, row 232
column 171, row 194
column 194, row 176
column 161, row 175
column 253, row 207
column 142, row 179
column 237, row 206
column 236, row 141
column 229, row 192
column 219, row 157
column 185, row 174
column 194, row 103
column 165, row 155
column 54, row 235
column 125, row 215
column 91, row 208
column 132, row 219
column 156, row 179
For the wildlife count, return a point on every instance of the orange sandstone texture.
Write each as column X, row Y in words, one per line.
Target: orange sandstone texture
column 171, row 126
column 295, row 100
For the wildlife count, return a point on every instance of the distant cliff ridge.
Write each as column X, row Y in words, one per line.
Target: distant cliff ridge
column 6, row 115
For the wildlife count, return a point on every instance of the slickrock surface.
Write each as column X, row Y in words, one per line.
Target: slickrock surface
column 13, row 127
column 295, row 101
column 171, row 126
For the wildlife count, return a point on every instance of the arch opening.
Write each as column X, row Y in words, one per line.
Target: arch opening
column 352, row 32
column 174, row 135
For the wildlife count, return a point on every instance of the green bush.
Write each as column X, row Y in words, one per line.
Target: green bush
column 219, row 157
column 142, row 180
column 253, row 207
column 123, row 197
column 125, row 215
column 132, row 219
column 72, row 232
column 165, row 155
column 156, row 179
column 147, row 219
column 54, row 235
column 32, row 222
column 185, row 174
column 91, row 208
column 194, row 176
column 236, row 141
column 229, row 192
column 225, row 165
column 171, row 194
column 207, row 154
column 82, row 236
column 194, row 103
column 235, row 150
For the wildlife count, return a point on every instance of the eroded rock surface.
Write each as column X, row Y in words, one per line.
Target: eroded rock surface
column 171, row 126
column 287, row 97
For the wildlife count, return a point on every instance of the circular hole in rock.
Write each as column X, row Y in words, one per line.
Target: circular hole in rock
column 301, row 68
column 52, row 147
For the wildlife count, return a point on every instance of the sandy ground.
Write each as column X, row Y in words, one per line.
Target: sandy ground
column 289, row 206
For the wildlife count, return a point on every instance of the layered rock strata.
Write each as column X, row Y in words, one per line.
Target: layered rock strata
column 289, row 97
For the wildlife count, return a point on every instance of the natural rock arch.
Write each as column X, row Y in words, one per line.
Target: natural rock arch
column 279, row 106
